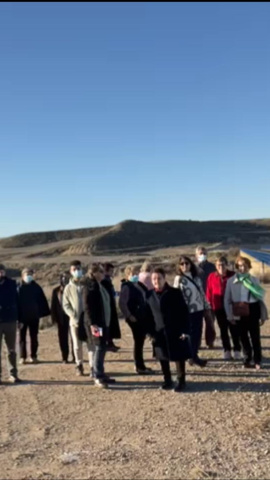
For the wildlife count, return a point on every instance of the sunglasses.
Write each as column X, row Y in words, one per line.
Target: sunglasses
column 184, row 263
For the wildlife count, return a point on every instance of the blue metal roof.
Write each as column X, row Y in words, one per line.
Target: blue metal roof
column 263, row 257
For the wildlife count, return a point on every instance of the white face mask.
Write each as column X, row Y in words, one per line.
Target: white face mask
column 202, row 258
column 28, row 278
column 77, row 274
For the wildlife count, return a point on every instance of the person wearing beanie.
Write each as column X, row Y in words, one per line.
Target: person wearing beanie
column 8, row 322
column 33, row 305
column 60, row 319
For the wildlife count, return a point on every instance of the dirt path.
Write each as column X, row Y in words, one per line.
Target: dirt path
column 56, row 426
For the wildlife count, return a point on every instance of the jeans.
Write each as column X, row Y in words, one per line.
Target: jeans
column 33, row 326
column 196, row 325
column 227, row 327
column 250, row 334
column 98, row 360
column 139, row 339
column 8, row 331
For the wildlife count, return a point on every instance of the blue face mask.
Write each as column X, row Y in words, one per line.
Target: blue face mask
column 28, row 278
column 77, row 274
column 134, row 278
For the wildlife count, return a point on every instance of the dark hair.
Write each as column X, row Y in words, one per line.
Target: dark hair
column 244, row 260
column 108, row 266
column 94, row 268
column 193, row 268
column 75, row 263
column 222, row 258
column 160, row 271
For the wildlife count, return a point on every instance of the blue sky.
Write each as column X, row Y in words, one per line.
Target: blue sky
column 113, row 111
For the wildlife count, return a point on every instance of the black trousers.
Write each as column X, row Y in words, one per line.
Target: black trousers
column 250, row 334
column 180, row 367
column 63, row 338
column 227, row 328
column 33, row 327
column 196, row 326
column 139, row 339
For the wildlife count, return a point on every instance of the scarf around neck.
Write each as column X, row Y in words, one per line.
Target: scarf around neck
column 256, row 290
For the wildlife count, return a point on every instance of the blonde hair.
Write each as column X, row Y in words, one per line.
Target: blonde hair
column 146, row 267
column 130, row 270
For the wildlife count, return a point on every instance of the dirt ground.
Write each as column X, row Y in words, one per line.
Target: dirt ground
column 58, row 426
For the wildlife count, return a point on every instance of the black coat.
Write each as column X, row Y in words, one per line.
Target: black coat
column 173, row 323
column 114, row 330
column 32, row 302
column 57, row 313
column 94, row 311
column 8, row 301
column 137, row 301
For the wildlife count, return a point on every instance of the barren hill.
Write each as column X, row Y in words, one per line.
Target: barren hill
column 132, row 235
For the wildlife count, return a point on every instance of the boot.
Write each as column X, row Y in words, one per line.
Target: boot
column 181, row 384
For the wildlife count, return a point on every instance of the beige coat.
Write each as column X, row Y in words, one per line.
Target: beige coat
column 233, row 295
column 72, row 302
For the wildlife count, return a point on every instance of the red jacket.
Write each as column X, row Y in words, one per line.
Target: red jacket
column 215, row 290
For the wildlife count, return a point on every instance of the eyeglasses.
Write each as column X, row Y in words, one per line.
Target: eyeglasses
column 184, row 263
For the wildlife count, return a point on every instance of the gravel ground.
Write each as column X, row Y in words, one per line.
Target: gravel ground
column 58, row 426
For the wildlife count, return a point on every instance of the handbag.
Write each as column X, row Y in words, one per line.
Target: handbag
column 241, row 309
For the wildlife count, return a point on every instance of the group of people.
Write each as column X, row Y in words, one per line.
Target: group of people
column 84, row 309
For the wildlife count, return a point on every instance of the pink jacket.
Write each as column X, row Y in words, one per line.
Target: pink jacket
column 145, row 278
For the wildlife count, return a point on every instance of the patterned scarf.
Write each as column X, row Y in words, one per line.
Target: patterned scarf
column 256, row 290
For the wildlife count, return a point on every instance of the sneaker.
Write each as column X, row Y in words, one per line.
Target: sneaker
column 13, row 379
column 227, row 355
column 112, row 348
column 167, row 385
column 144, row 371
column 99, row 382
column 79, row 370
column 237, row 355
column 22, row 361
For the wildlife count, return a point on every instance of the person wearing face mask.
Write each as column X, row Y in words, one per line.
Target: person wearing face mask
column 244, row 305
column 8, row 322
column 33, row 305
column 215, row 291
column 132, row 303
column 205, row 268
column 60, row 319
column 73, row 307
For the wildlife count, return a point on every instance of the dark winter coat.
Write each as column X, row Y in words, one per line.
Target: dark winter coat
column 169, row 324
column 57, row 313
column 8, row 301
column 32, row 302
column 132, row 300
column 94, row 313
column 204, row 270
column 114, row 330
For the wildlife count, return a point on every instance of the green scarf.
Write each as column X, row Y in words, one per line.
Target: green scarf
column 256, row 290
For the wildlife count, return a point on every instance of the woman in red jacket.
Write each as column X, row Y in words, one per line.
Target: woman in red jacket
column 215, row 291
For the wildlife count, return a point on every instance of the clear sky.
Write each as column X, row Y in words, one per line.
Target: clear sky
column 150, row 111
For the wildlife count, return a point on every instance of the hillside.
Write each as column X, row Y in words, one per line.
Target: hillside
column 132, row 235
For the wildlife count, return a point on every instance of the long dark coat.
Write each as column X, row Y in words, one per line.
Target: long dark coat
column 32, row 302
column 114, row 330
column 57, row 313
column 174, row 322
column 94, row 311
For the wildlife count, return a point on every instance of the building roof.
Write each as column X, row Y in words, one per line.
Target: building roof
column 263, row 257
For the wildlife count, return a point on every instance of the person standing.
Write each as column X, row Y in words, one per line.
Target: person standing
column 33, row 305
column 205, row 268
column 245, row 307
column 114, row 330
column 8, row 322
column 215, row 291
column 97, row 319
column 74, row 308
column 132, row 303
column 61, row 319
column 168, row 321
column 189, row 282
column 145, row 275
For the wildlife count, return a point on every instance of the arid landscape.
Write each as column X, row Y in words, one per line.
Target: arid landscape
column 58, row 426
